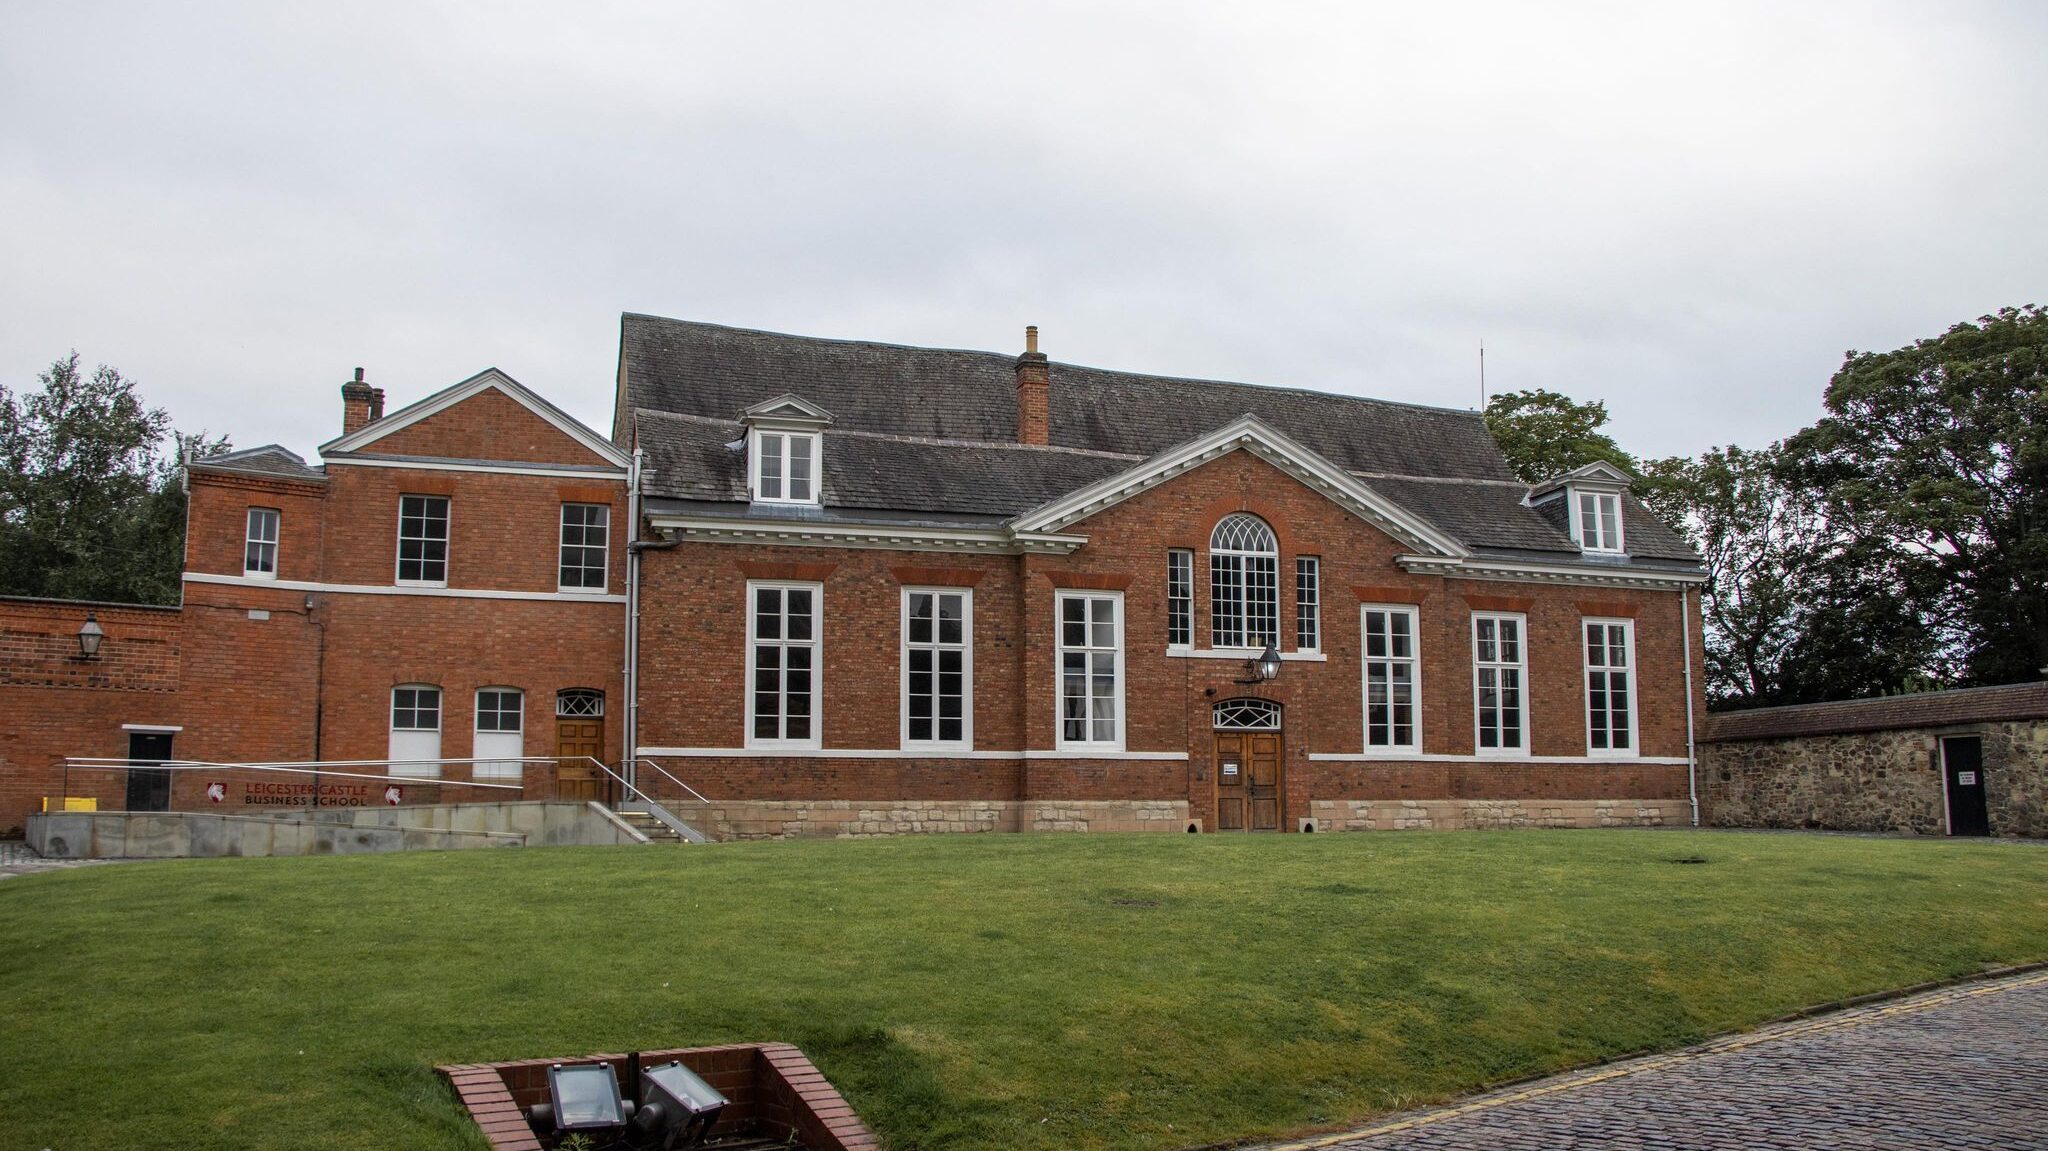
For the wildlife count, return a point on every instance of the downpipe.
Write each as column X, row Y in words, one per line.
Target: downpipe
column 1692, row 760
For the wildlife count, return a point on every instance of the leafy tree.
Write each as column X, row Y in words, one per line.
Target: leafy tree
column 1545, row 434
column 1942, row 447
column 90, row 501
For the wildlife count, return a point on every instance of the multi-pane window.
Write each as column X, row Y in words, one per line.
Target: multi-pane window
column 1180, row 598
column 1244, row 583
column 579, row 703
column 786, row 467
column 423, row 539
column 782, row 663
column 1599, row 521
column 586, row 529
column 500, row 731
column 415, row 748
column 1610, row 694
column 259, row 549
column 1091, row 668
column 1390, row 678
column 1308, row 603
column 938, row 666
column 1499, row 664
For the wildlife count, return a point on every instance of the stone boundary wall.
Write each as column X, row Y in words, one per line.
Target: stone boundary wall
column 1494, row 814
column 443, row 827
column 847, row 818
column 1882, row 781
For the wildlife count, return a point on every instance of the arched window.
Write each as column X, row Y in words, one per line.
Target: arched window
column 1247, row 715
column 1244, row 583
column 579, row 703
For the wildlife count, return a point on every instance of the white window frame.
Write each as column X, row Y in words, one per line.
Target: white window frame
column 604, row 550
column 447, row 541
column 397, row 748
column 1635, row 731
column 1059, row 659
column 1414, row 659
column 1241, row 560
column 1519, row 666
column 757, row 458
column 1184, row 559
column 275, row 517
column 966, row 649
column 510, row 767
column 817, row 645
column 1311, row 611
column 1601, row 503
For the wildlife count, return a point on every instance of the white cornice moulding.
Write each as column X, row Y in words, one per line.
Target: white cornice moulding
column 895, row 753
column 498, row 469
column 999, row 541
column 1512, row 572
column 1254, row 435
column 381, row 589
column 153, row 728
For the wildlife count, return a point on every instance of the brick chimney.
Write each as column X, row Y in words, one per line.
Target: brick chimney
column 1034, row 393
column 360, row 404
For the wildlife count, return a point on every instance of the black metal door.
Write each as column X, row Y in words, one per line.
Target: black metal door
column 149, row 789
column 1962, row 768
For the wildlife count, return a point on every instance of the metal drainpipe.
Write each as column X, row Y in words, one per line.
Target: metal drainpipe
column 1692, row 762
column 630, row 726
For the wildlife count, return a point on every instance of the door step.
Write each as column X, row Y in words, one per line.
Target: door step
column 648, row 825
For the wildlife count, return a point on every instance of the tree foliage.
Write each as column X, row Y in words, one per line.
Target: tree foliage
column 1545, row 434
column 1899, row 543
column 91, row 506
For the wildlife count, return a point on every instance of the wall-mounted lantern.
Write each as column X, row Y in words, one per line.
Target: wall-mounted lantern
column 90, row 636
column 1265, row 668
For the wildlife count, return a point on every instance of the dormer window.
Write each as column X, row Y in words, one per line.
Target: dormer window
column 786, row 467
column 1596, row 520
column 1586, row 503
column 786, row 450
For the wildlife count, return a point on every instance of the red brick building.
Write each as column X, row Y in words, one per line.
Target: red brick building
column 882, row 588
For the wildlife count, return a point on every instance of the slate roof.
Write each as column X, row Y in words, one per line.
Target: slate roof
column 270, row 460
column 933, row 431
column 2019, row 701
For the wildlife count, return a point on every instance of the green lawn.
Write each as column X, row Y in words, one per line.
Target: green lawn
column 963, row 991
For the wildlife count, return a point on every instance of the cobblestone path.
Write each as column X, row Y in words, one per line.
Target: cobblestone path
column 1962, row 1067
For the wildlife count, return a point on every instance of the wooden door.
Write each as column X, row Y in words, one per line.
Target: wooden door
column 1962, row 769
column 577, row 778
column 1248, row 781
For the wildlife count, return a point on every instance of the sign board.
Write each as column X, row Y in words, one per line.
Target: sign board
column 1966, row 779
column 1230, row 767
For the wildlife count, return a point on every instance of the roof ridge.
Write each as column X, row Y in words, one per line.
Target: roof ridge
column 1320, row 393
column 1440, row 479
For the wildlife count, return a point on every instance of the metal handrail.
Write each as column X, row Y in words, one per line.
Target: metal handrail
column 654, row 808
column 672, row 779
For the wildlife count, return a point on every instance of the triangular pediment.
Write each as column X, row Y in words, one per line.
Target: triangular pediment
column 1599, row 476
column 488, row 380
column 1250, row 434
column 787, row 409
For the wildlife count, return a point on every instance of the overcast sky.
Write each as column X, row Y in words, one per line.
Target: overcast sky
column 1688, row 213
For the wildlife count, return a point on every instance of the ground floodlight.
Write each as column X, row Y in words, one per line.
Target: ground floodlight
column 676, row 1105
column 582, row 1097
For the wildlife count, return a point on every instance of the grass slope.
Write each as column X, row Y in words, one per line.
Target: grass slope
column 965, row 992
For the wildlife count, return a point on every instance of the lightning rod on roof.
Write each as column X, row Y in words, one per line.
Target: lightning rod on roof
column 1482, row 375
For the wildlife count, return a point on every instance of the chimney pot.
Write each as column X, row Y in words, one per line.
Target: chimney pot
column 360, row 404
column 1031, row 337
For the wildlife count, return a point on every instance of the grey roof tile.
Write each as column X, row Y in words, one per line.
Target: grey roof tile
column 268, row 460
column 686, row 382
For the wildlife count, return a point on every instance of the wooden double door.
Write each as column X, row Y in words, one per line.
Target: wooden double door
column 1248, row 780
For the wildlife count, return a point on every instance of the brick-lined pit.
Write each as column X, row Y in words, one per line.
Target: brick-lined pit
column 773, row 1091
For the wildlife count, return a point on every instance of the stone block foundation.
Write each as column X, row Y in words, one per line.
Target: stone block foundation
column 1494, row 814
column 849, row 818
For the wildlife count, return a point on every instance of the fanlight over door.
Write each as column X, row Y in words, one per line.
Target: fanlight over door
column 1247, row 715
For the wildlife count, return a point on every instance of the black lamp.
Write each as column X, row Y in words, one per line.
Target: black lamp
column 90, row 636
column 1265, row 668
column 581, row 1097
column 676, row 1105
